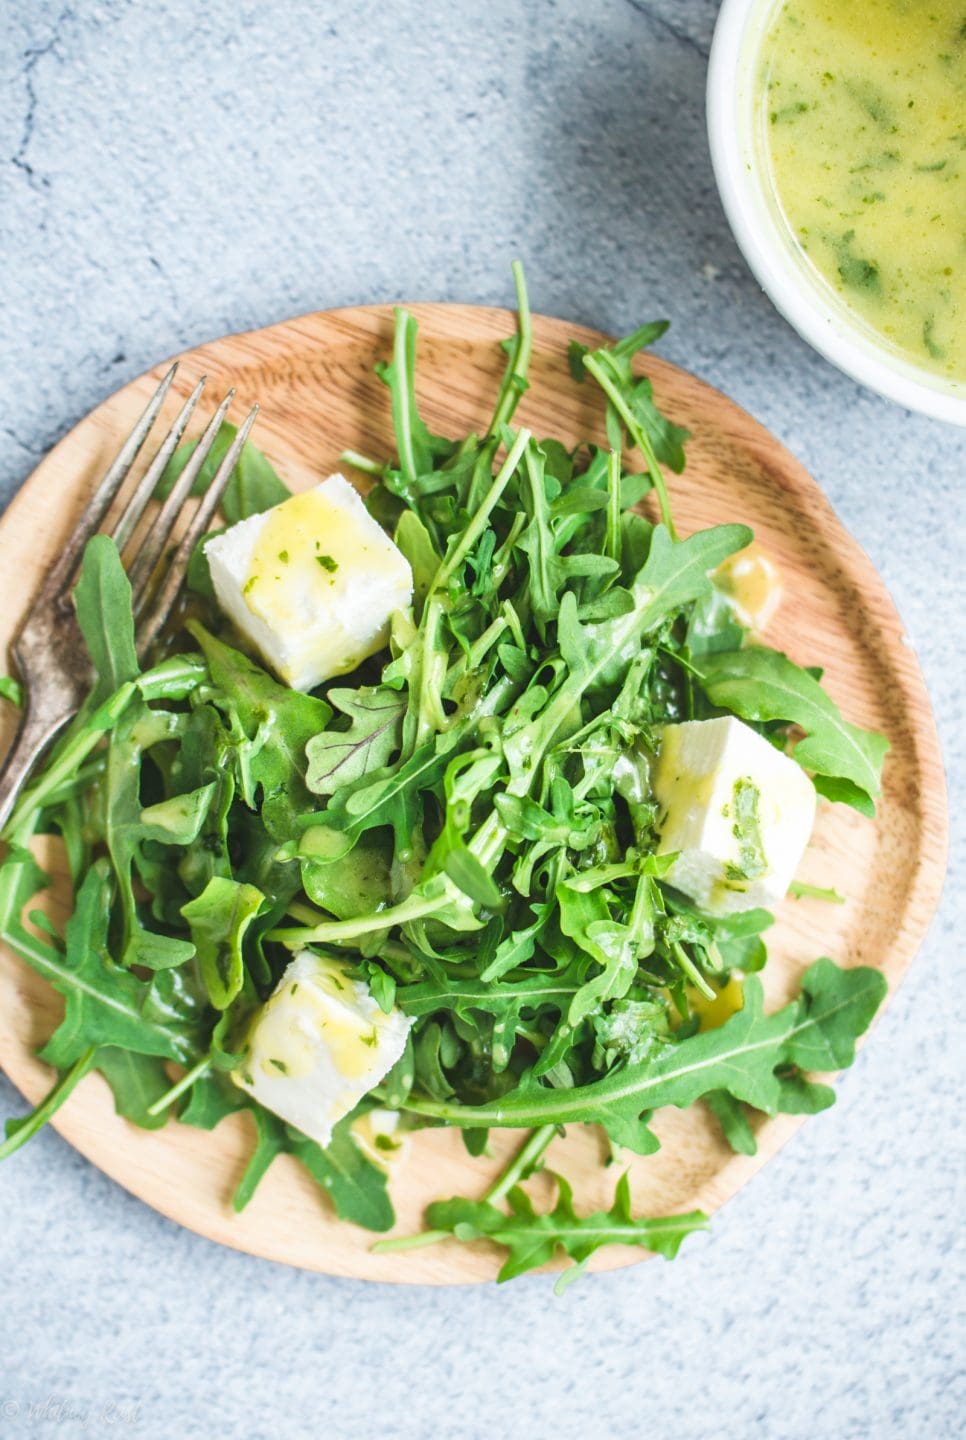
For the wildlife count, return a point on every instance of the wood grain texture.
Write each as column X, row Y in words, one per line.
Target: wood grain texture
column 314, row 380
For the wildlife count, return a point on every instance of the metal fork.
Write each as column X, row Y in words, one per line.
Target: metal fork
column 49, row 650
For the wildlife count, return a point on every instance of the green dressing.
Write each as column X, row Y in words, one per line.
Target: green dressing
column 864, row 124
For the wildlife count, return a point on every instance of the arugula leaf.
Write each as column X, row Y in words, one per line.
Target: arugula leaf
column 125, row 830
column 740, row 1057
column 677, row 572
column 466, row 872
column 514, row 382
column 175, row 678
column 829, row 1045
column 338, row 757
column 732, row 1117
column 178, row 821
column 219, row 918
column 764, row 685
column 615, row 361
column 136, row 1081
column 414, row 540
column 674, row 573
column 800, row 1096
column 271, row 1140
column 211, row 1097
column 383, row 797
column 206, row 474
column 11, row 690
column 418, row 449
column 253, row 487
column 277, row 722
column 531, row 1238
column 102, row 599
column 18, row 1131
column 631, row 406
column 538, row 542
column 845, row 792
column 355, row 1186
column 498, row 1015
column 204, row 764
column 586, row 917
column 836, row 1006
column 712, row 625
column 104, row 1004
column 632, row 1030
column 351, row 884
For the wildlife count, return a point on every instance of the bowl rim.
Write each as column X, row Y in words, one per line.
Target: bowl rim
column 819, row 318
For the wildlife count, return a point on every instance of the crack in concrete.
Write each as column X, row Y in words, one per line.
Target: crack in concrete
column 32, row 58
column 661, row 22
column 23, row 444
column 166, row 279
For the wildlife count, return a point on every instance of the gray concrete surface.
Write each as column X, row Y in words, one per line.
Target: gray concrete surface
column 172, row 171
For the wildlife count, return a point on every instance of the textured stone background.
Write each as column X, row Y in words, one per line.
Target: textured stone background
column 172, row 171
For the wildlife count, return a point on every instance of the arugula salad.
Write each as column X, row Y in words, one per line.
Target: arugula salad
column 465, row 806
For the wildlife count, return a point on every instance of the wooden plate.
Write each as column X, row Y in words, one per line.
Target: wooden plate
column 314, row 380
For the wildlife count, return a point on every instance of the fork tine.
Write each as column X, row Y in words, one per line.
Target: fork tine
column 167, row 593
column 61, row 575
column 147, row 485
column 147, row 557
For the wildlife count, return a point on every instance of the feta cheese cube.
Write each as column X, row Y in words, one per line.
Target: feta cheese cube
column 318, row 1044
column 312, row 583
column 737, row 812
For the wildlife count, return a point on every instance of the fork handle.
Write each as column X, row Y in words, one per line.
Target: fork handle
column 34, row 734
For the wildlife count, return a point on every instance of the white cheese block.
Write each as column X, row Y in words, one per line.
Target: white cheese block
column 736, row 811
column 317, row 1045
column 312, row 583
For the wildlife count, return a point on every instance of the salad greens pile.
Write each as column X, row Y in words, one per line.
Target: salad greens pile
column 466, row 822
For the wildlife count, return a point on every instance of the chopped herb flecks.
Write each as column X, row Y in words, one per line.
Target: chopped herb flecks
column 747, row 831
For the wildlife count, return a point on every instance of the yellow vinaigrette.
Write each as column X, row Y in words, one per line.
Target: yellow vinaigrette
column 728, row 1000
column 752, row 583
column 290, row 1032
column 863, row 114
column 290, row 562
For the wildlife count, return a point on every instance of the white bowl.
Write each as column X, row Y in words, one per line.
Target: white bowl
column 740, row 166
